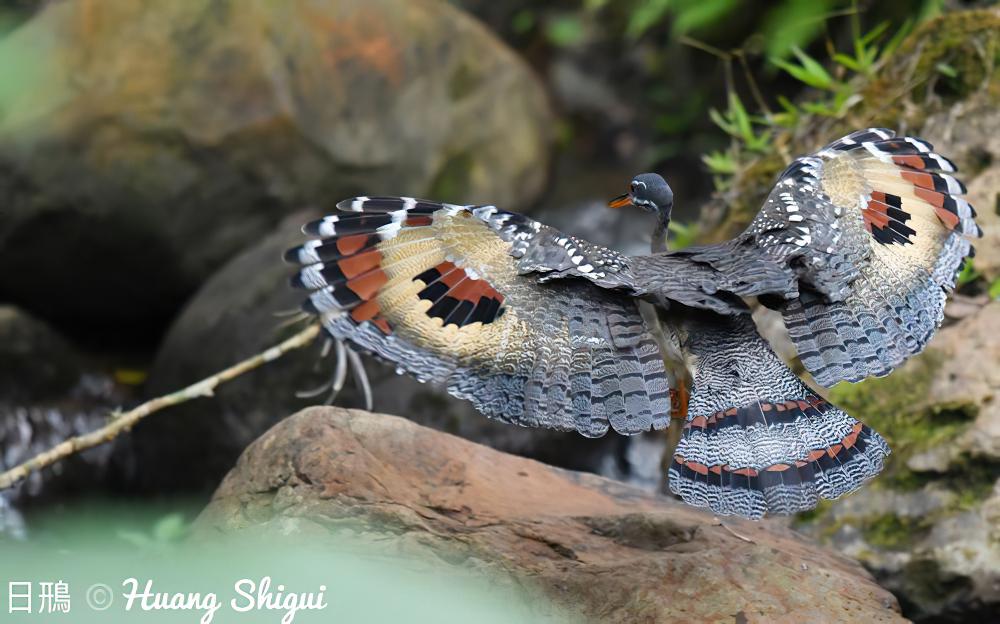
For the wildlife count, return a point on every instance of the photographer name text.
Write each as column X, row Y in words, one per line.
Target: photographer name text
column 248, row 595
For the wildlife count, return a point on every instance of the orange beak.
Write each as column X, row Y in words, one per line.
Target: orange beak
column 621, row 201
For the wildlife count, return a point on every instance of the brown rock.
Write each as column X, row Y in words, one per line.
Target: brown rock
column 926, row 527
column 968, row 376
column 592, row 545
column 174, row 134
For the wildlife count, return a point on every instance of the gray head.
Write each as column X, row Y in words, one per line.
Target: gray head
column 650, row 192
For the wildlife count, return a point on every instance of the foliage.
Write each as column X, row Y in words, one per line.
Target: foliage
column 736, row 122
column 684, row 234
column 894, row 532
column 688, row 15
column 834, row 82
column 994, row 290
column 564, row 30
column 967, row 275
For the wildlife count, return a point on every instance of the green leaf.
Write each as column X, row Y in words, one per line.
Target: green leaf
column 718, row 119
column 873, row 34
column 684, row 235
column 793, row 23
column 523, row 21
column 813, row 67
column 968, row 274
column 808, row 71
column 929, row 9
column 740, row 117
column 645, row 15
column 719, row 163
column 995, row 289
column 847, row 61
column 761, row 142
column 802, row 74
column 947, row 70
column 565, row 30
column 701, row 13
column 897, row 39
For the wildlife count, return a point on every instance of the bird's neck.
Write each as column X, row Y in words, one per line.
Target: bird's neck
column 661, row 233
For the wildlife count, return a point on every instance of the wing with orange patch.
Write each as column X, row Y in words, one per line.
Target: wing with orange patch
column 875, row 228
column 441, row 291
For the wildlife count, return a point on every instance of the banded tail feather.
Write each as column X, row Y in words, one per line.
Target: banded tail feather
column 757, row 441
column 436, row 289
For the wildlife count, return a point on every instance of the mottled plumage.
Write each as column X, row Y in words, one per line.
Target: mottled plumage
column 857, row 246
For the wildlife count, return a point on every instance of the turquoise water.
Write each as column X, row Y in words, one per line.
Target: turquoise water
column 109, row 555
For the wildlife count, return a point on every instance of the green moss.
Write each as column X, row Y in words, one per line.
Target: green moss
column 967, row 43
column 898, row 408
column 894, row 532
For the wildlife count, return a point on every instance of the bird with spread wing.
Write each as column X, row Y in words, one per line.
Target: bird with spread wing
column 856, row 246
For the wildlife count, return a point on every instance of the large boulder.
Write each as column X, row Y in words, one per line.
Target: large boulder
column 174, row 134
column 595, row 547
column 35, row 361
column 242, row 310
column 927, row 527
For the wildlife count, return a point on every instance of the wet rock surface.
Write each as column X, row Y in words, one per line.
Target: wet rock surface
column 175, row 134
column 607, row 551
column 927, row 528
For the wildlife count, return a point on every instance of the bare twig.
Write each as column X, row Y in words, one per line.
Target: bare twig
column 734, row 533
column 121, row 422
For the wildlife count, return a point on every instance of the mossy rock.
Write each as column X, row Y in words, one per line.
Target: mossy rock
column 176, row 134
column 907, row 89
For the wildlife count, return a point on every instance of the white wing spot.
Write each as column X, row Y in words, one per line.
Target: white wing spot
column 357, row 205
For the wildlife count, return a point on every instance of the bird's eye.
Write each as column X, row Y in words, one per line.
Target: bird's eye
column 633, row 186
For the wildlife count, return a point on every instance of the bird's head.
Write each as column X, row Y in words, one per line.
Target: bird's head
column 648, row 191
column 651, row 193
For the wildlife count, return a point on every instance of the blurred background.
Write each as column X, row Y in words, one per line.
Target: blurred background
column 157, row 158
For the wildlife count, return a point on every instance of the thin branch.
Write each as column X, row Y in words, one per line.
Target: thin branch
column 754, row 89
column 704, row 47
column 121, row 422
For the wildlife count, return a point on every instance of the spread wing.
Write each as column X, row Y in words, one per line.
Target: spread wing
column 441, row 291
column 865, row 239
